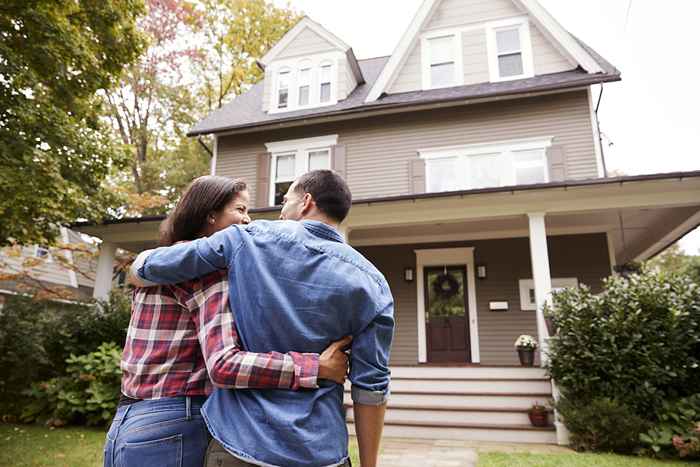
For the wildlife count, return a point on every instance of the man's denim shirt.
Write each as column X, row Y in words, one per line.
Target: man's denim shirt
column 295, row 286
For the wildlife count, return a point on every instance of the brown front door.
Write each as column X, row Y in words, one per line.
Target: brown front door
column 446, row 323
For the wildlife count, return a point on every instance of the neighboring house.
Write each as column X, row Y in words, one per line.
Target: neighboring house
column 54, row 272
column 479, row 186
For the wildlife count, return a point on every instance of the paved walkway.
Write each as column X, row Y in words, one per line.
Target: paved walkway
column 444, row 453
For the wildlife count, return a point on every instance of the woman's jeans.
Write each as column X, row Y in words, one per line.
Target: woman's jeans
column 167, row 432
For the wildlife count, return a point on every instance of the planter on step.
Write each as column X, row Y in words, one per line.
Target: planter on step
column 526, row 356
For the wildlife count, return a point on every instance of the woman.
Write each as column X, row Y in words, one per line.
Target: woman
column 182, row 338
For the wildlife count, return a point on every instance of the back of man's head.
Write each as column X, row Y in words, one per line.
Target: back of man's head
column 329, row 191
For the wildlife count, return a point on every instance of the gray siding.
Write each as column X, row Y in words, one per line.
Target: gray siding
column 379, row 151
column 457, row 13
column 508, row 260
column 306, row 43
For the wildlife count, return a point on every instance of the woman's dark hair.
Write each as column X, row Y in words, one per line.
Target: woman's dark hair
column 204, row 195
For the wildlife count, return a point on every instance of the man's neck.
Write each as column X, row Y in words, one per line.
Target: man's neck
column 322, row 219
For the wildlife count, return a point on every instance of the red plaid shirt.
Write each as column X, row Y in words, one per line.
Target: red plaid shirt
column 182, row 338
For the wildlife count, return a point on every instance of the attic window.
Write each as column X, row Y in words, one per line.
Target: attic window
column 283, row 90
column 325, row 83
column 442, row 61
column 510, row 50
column 304, row 86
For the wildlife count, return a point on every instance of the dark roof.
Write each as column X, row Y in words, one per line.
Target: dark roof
column 246, row 111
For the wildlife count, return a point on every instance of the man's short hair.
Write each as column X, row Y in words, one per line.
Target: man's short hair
column 329, row 191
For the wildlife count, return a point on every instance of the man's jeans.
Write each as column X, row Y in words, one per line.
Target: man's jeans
column 167, row 432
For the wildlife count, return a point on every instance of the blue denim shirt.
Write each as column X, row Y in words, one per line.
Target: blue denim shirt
column 295, row 286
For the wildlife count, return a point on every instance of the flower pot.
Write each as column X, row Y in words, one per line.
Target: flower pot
column 526, row 356
column 538, row 417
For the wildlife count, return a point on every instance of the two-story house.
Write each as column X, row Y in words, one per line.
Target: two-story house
column 479, row 186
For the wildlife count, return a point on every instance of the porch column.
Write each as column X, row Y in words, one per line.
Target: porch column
column 541, row 276
column 105, row 271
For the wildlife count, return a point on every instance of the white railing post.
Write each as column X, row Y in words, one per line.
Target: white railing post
column 105, row 271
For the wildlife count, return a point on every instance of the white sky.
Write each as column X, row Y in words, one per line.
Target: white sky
column 651, row 117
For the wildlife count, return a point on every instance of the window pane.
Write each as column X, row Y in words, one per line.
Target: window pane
column 529, row 175
column 326, row 74
column 529, row 167
column 443, row 175
column 441, row 50
column 485, row 171
column 325, row 92
column 283, row 97
column 305, row 76
column 304, row 95
column 319, row 160
column 530, row 158
column 285, row 167
column 508, row 41
column 510, row 65
column 281, row 190
column 442, row 75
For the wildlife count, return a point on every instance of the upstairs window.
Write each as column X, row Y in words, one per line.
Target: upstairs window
column 42, row 252
column 285, row 172
column 486, row 166
column 442, row 62
column 510, row 50
column 305, row 86
column 325, row 83
column 283, row 89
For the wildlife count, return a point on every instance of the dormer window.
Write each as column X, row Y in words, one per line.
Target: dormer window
column 441, row 56
column 283, row 89
column 325, row 83
column 304, row 86
column 510, row 50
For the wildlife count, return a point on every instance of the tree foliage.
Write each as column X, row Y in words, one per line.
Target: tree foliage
column 54, row 151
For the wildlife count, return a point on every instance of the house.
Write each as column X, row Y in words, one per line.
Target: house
column 64, row 271
column 479, row 186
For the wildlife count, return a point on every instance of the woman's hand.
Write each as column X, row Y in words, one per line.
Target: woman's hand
column 333, row 362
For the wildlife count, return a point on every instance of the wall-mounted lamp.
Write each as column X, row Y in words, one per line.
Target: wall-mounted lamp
column 481, row 271
column 408, row 274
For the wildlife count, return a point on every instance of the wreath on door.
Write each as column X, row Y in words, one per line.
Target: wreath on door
column 445, row 286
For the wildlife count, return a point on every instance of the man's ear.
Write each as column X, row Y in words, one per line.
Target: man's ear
column 307, row 204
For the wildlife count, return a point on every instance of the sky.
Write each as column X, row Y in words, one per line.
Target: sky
column 650, row 120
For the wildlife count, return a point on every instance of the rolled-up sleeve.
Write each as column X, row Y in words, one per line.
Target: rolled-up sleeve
column 178, row 263
column 369, row 373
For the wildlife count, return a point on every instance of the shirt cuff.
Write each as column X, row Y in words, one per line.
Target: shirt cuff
column 305, row 370
column 137, row 268
column 365, row 397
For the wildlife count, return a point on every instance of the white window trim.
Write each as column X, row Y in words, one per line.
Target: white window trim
column 525, row 285
column 504, row 148
column 426, row 59
column 300, row 148
column 523, row 25
column 447, row 257
column 48, row 258
column 294, row 65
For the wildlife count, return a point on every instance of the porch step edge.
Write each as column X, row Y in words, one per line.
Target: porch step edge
column 437, row 408
column 468, row 426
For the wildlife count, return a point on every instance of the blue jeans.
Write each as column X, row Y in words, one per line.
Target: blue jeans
column 167, row 432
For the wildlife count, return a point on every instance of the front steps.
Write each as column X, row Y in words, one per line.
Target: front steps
column 465, row 403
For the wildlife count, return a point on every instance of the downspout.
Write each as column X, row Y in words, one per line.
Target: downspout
column 600, row 135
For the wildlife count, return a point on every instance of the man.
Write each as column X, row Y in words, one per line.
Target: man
column 296, row 285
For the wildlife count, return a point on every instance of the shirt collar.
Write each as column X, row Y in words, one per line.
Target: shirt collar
column 323, row 230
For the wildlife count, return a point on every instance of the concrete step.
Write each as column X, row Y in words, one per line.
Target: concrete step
column 475, row 372
column 464, row 401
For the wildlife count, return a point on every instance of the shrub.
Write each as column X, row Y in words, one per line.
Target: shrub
column 601, row 424
column 677, row 431
column 36, row 338
column 87, row 393
column 638, row 341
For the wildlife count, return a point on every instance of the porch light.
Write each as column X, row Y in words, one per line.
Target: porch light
column 408, row 274
column 481, row 271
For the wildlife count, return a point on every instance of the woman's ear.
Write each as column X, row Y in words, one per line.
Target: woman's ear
column 211, row 218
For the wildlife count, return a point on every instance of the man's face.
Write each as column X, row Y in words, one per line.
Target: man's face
column 293, row 205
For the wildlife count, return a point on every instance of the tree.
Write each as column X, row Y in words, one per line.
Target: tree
column 54, row 152
column 674, row 260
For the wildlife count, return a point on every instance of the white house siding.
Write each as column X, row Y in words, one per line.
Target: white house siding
column 306, row 43
column 453, row 13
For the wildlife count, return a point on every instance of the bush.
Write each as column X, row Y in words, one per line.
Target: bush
column 601, row 425
column 36, row 338
column 638, row 341
column 87, row 394
column 677, row 431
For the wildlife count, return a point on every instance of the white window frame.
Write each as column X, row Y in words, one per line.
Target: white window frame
column 523, row 25
column 294, row 66
column 48, row 257
column 426, row 58
column 278, row 88
column 526, row 285
column 506, row 149
column 300, row 148
column 305, row 65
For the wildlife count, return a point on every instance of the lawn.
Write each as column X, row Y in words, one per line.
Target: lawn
column 572, row 459
column 36, row 446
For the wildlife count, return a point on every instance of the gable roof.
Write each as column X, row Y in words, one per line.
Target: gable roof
column 546, row 22
column 308, row 23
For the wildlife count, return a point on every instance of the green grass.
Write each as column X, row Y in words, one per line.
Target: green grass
column 572, row 459
column 37, row 446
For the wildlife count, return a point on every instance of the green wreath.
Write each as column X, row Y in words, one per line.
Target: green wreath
column 445, row 286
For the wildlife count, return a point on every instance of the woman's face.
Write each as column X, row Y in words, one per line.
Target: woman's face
column 235, row 212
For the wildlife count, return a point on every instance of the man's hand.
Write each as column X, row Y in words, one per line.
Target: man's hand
column 333, row 362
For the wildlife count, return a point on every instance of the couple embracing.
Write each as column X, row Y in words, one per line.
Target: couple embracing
column 235, row 350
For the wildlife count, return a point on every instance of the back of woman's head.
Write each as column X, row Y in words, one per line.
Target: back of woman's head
column 205, row 196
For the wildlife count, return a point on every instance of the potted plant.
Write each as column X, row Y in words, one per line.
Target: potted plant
column 526, row 346
column 550, row 321
column 538, row 415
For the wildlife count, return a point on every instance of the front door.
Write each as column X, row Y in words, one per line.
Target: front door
column 446, row 322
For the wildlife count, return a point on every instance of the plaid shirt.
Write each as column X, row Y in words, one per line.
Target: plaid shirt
column 182, row 338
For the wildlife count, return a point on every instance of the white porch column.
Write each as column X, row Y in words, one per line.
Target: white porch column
column 105, row 271
column 541, row 276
